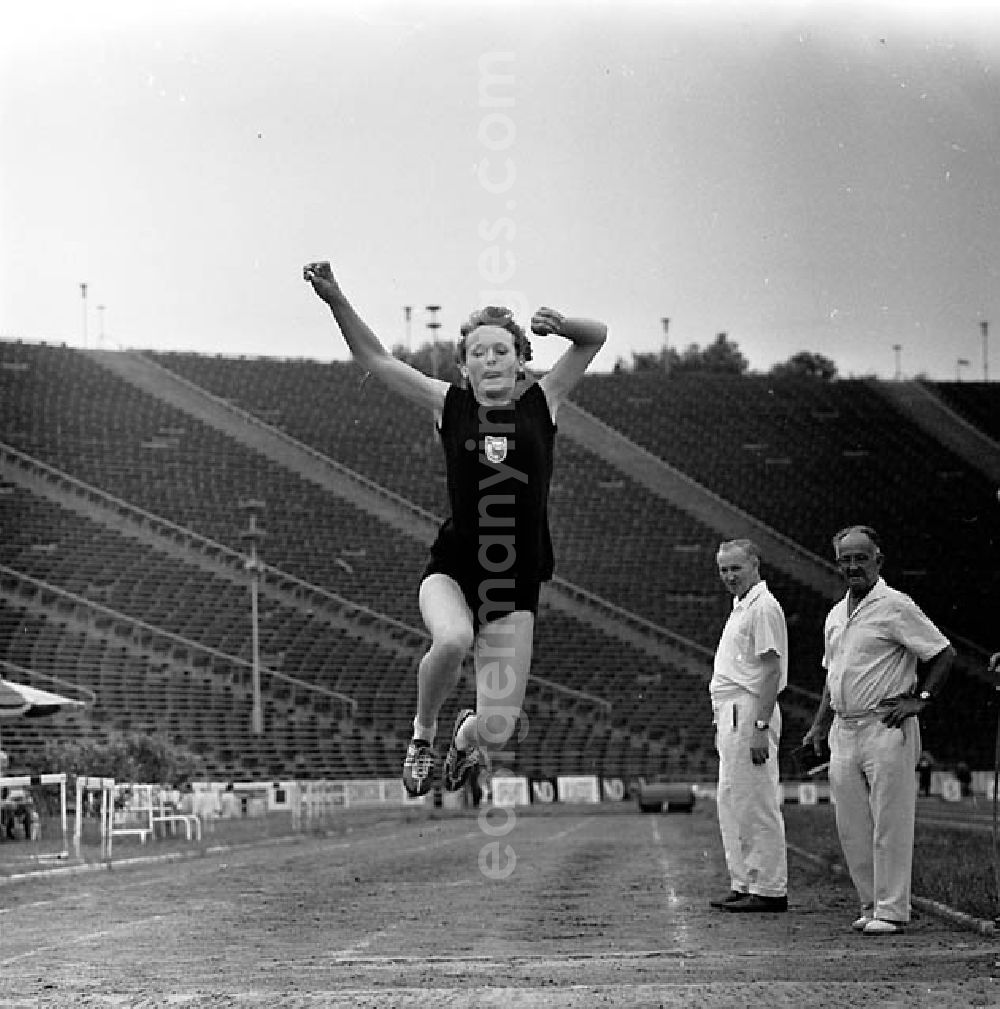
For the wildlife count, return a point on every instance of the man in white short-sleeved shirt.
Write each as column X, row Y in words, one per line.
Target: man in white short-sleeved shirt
column 874, row 639
column 750, row 670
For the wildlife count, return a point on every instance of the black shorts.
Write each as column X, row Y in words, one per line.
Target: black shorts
column 489, row 596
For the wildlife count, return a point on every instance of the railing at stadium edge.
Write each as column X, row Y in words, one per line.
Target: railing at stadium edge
column 277, row 577
column 416, row 510
column 158, row 632
column 251, row 418
column 90, row 697
column 193, row 540
column 819, row 564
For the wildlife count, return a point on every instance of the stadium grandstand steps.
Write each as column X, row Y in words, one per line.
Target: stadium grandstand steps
column 761, row 436
column 921, row 405
column 974, row 401
column 138, row 693
column 104, row 432
column 148, row 585
column 601, row 521
column 612, row 536
column 46, row 368
column 809, row 457
column 600, row 531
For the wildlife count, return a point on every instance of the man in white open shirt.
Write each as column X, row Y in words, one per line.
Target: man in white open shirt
column 873, row 640
column 750, row 670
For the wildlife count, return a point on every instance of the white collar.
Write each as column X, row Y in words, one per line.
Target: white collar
column 877, row 591
column 752, row 593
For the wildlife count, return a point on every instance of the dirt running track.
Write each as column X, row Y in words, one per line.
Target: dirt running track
column 600, row 910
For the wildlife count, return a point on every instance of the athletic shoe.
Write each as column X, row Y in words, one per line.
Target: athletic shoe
column 418, row 766
column 882, row 926
column 756, row 902
column 730, row 898
column 459, row 765
column 859, row 923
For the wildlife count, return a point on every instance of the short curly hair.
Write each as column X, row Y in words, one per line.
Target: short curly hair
column 503, row 318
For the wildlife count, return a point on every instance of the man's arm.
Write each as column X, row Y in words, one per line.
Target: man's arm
column 898, row 709
column 766, row 700
column 821, row 723
column 938, row 671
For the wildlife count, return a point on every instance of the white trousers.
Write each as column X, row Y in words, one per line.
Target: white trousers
column 748, row 800
column 873, row 785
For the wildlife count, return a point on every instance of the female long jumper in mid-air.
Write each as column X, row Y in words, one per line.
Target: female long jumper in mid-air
column 480, row 587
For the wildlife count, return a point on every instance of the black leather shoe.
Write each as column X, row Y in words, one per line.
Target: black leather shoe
column 758, row 902
column 730, row 898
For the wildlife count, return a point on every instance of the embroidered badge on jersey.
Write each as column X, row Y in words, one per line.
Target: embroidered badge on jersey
column 496, row 447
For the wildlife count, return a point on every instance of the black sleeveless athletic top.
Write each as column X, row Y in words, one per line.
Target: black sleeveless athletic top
column 499, row 466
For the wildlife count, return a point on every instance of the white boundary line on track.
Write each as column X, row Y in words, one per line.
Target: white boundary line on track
column 888, row 951
column 681, row 932
column 956, row 917
column 438, row 883
column 170, row 856
column 41, row 903
column 177, row 856
column 77, row 940
column 563, row 833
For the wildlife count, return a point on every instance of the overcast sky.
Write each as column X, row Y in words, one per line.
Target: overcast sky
column 817, row 176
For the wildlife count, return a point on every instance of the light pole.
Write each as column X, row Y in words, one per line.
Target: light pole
column 433, row 325
column 984, row 328
column 83, row 298
column 898, row 351
column 100, row 328
column 962, row 362
column 253, row 535
column 666, row 358
column 407, row 315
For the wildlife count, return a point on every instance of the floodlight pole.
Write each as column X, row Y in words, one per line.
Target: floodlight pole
column 83, row 298
column 433, row 325
column 666, row 358
column 253, row 534
column 408, row 315
column 984, row 328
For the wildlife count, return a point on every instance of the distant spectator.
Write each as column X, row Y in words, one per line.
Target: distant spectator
column 925, row 765
column 964, row 776
column 17, row 811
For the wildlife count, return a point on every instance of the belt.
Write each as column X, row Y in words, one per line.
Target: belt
column 860, row 717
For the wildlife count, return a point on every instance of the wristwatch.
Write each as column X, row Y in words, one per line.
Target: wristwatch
column 925, row 696
column 761, row 725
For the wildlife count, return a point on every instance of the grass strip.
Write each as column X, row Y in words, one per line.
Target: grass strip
column 952, row 865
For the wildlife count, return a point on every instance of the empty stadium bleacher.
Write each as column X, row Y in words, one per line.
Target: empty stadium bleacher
column 803, row 456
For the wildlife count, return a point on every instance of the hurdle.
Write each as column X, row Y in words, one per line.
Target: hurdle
column 317, row 803
column 106, row 786
column 190, row 820
column 27, row 781
column 149, row 815
column 117, row 831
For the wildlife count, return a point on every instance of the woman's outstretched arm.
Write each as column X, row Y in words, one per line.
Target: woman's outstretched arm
column 367, row 349
column 586, row 337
